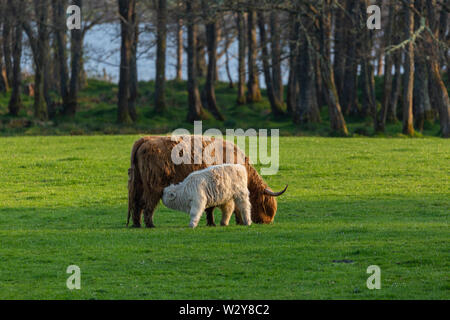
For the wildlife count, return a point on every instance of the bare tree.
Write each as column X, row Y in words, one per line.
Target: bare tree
column 195, row 108
column 422, row 110
column 350, row 83
column 253, row 90
column 408, row 76
column 367, row 69
column 210, row 16
column 240, row 21
column 292, row 87
column 15, row 102
column 39, row 42
column 179, row 66
column 160, row 96
column 275, row 37
column 437, row 87
column 7, row 19
column 126, row 10
column 307, row 109
column 339, row 48
column 337, row 121
column 273, row 95
column 380, row 118
column 61, row 44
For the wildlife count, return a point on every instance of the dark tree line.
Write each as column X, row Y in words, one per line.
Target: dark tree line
column 330, row 57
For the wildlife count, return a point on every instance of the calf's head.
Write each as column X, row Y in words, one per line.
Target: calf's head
column 169, row 195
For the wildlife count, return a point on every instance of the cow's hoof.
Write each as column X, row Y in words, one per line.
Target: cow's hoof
column 136, row 226
column 150, row 226
column 211, row 224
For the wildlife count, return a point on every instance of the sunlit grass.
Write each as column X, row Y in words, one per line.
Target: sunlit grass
column 372, row 201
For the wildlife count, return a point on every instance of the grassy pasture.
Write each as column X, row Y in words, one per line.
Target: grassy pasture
column 368, row 201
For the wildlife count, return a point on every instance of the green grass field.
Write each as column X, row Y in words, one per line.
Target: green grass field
column 371, row 201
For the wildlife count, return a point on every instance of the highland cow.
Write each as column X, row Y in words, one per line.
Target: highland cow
column 223, row 186
column 152, row 169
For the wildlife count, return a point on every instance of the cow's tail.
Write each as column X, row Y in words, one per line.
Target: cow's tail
column 133, row 176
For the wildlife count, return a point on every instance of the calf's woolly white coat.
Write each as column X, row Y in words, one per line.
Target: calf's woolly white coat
column 223, row 186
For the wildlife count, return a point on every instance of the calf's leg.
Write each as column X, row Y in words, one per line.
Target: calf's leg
column 227, row 211
column 196, row 212
column 243, row 205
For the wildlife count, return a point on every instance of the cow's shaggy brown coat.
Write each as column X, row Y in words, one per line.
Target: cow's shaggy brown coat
column 152, row 169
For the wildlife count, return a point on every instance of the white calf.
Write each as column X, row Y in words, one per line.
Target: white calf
column 223, row 186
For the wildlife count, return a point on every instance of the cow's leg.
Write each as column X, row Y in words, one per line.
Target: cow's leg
column 137, row 213
column 227, row 211
column 238, row 216
column 136, row 209
column 150, row 205
column 210, row 217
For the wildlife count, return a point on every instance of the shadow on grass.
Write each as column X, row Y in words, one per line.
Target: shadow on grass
column 290, row 210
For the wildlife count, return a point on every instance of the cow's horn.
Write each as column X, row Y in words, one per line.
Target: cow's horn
column 275, row 194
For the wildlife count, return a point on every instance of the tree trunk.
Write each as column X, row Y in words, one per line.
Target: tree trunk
column 39, row 46
column 15, row 102
column 126, row 12
column 319, row 85
column 211, row 44
column 240, row 21
column 307, row 109
column 396, row 88
column 133, row 86
column 437, row 87
column 408, row 75
column 422, row 110
column 179, row 68
column 76, row 54
column 367, row 70
column 200, row 56
column 227, row 58
column 4, row 83
column 59, row 15
column 7, row 43
column 339, row 49
column 276, row 56
column 253, row 90
column 350, row 98
column 337, row 121
column 421, row 99
column 292, row 87
column 195, row 111
column 275, row 103
column 160, row 95
column 380, row 120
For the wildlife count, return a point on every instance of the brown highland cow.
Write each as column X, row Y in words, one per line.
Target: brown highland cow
column 152, row 169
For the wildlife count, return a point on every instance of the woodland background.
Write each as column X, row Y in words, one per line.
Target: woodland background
column 306, row 67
